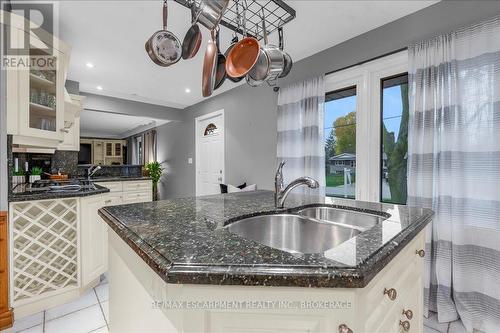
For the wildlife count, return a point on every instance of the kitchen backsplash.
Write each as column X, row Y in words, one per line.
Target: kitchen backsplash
column 113, row 171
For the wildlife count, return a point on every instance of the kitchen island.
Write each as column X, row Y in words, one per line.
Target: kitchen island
column 176, row 266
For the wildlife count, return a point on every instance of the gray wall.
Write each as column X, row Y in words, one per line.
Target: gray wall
column 250, row 113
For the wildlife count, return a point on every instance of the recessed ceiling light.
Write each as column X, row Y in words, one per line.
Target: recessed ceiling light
column 89, row 65
column 187, row 90
column 99, row 88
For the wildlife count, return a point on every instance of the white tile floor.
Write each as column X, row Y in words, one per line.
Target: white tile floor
column 431, row 325
column 87, row 314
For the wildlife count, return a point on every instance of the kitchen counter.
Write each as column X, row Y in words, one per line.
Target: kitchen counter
column 184, row 242
column 21, row 192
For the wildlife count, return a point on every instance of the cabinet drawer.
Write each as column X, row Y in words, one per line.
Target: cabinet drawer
column 141, row 185
column 134, row 197
column 400, row 274
column 113, row 199
column 113, row 186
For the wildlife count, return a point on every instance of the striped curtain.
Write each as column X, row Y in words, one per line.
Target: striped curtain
column 300, row 141
column 454, row 168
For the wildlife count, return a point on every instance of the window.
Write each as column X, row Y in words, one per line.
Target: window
column 340, row 143
column 365, row 126
column 394, row 135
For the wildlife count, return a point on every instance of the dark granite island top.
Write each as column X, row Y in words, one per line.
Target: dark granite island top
column 184, row 241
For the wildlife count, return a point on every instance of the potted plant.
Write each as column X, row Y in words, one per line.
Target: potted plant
column 35, row 174
column 154, row 170
column 18, row 177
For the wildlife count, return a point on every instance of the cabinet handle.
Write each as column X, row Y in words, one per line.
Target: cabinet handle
column 405, row 325
column 391, row 293
column 107, row 201
column 408, row 313
column 2, row 271
column 344, row 329
column 420, row 253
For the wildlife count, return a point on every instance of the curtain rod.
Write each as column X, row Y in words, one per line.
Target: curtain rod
column 368, row 60
column 276, row 89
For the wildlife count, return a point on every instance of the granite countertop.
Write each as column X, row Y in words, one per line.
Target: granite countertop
column 22, row 193
column 184, row 241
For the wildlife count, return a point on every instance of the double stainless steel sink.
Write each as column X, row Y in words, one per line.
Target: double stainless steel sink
column 307, row 230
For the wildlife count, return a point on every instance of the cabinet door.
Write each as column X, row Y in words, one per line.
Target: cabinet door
column 118, row 149
column 94, row 239
column 41, row 97
column 98, row 152
column 109, row 149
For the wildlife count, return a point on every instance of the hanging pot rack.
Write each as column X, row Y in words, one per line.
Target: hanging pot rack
column 276, row 14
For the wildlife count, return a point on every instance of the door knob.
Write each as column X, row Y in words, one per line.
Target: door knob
column 405, row 325
column 344, row 329
column 391, row 293
column 408, row 313
column 420, row 253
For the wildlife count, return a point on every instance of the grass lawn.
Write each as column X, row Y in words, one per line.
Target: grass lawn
column 337, row 180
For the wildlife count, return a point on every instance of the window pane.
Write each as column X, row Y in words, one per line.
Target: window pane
column 394, row 139
column 340, row 143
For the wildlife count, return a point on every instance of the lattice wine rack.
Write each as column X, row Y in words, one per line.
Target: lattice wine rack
column 44, row 252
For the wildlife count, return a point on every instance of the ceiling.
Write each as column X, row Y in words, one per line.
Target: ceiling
column 97, row 124
column 111, row 35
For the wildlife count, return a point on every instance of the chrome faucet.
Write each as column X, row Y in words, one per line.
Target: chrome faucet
column 280, row 193
column 92, row 170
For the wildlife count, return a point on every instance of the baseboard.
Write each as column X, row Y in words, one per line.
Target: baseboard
column 6, row 319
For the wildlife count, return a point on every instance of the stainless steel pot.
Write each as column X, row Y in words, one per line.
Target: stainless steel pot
column 270, row 63
column 287, row 67
column 212, row 12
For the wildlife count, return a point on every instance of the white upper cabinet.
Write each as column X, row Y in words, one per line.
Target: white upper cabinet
column 36, row 96
column 73, row 105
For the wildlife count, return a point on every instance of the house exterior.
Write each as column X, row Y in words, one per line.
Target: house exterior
column 339, row 162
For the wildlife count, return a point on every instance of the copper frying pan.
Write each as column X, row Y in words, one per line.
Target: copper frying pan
column 243, row 55
column 209, row 66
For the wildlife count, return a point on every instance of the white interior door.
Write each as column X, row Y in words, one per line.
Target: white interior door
column 209, row 153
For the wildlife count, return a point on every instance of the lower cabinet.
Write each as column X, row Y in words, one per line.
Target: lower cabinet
column 93, row 233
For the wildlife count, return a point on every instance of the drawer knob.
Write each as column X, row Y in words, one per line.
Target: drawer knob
column 391, row 293
column 408, row 313
column 344, row 329
column 405, row 325
column 420, row 253
column 2, row 271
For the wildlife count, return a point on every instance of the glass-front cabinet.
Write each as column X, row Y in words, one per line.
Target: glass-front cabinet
column 36, row 94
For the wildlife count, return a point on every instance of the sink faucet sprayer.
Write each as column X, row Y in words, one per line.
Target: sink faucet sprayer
column 280, row 193
column 92, row 170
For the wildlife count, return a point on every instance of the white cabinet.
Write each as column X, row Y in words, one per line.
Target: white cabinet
column 93, row 235
column 71, row 130
column 94, row 231
column 131, row 191
column 35, row 97
column 270, row 309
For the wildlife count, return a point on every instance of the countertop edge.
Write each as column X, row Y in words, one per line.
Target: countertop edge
column 57, row 195
column 146, row 252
